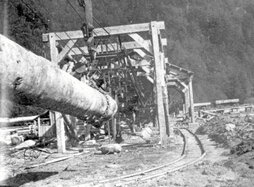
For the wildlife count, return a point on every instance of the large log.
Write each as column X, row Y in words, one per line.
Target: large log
column 33, row 80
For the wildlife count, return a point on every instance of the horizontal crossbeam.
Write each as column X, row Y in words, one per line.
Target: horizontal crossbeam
column 114, row 30
column 110, row 48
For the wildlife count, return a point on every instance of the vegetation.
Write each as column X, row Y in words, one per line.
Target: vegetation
column 214, row 39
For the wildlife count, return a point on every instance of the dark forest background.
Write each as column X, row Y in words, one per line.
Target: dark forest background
column 212, row 38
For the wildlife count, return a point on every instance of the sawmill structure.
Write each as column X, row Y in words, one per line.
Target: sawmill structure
column 103, row 69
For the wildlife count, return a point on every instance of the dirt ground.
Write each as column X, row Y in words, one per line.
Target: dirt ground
column 218, row 168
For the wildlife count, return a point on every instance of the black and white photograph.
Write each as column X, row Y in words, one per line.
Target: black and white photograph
column 127, row 93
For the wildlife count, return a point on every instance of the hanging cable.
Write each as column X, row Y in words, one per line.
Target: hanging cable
column 75, row 10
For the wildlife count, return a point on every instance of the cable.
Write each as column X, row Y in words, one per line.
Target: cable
column 67, row 45
column 64, row 32
column 75, row 10
column 97, row 22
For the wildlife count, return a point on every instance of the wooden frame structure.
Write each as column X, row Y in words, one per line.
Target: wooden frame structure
column 145, row 41
column 181, row 79
column 152, row 47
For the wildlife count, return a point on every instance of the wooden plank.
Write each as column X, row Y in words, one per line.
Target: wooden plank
column 60, row 131
column 66, row 49
column 178, row 83
column 140, row 52
column 89, row 12
column 191, row 100
column 187, row 101
column 5, row 19
column 18, row 119
column 145, row 45
column 114, row 30
column 53, row 49
column 169, row 128
column 159, row 76
column 227, row 101
column 177, row 86
column 101, row 48
column 39, row 127
column 202, row 104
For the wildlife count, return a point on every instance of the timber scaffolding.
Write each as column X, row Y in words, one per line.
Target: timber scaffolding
column 131, row 60
column 134, row 54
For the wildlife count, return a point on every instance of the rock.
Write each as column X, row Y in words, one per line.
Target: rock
column 110, row 148
column 230, row 127
column 15, row 140
column 26, row 144
column 112, row 166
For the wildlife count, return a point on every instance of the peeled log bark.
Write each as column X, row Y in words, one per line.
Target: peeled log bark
column 33, row 80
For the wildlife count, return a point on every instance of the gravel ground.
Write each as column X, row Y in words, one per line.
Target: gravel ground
column 218, row 168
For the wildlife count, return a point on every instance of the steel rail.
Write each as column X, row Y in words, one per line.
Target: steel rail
column 182, row 162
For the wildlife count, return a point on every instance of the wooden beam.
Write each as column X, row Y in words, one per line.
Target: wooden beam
column 140, row 52
column 114, row 30
column 60, row 131
column 37, row 81
column 169, row 128
column 53, row 49
column 191, row 100
column 227, row 101
column 187, row 102
column 178, row 83
column 39, row 127
column 102, row 48
column 144, row 45
column 159, row 76
column 68, row 47
column 89, row 12
column 5, row 19
column 202, row 104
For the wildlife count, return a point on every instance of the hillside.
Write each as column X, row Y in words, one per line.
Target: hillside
column 214, row 39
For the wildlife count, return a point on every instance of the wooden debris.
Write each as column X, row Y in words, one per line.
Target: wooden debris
column 25, row 144
column 55, row 160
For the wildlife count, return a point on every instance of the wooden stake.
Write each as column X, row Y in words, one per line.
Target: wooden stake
column 60, row 132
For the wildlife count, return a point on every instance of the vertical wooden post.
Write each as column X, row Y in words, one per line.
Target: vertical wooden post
column 89, row 12
column 184, row 109
column 155, row 122
column 187, row 102
column 165, row 97
column 39, row 126
column 114, row 123
column 109, row 135
column 5, row 19
column 60, row 131
column 191, row 100
column 159, row 76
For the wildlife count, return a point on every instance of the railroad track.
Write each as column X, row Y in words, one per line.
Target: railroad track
column 192, row 152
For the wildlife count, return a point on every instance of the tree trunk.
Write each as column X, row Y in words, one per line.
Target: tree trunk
column 33, row 80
